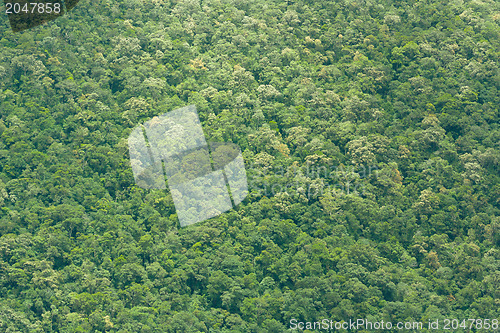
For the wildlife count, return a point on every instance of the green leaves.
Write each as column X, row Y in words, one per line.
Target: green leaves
column 398, row 97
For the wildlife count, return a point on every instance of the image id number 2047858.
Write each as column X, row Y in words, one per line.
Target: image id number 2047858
column 33, row 7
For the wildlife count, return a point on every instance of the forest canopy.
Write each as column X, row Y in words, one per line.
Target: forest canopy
column 397, row 100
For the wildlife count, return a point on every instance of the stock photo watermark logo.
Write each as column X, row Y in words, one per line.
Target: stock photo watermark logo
column 205, row 179
column 26, row 14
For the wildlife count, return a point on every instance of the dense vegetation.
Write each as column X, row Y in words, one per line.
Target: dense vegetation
column 407, row 88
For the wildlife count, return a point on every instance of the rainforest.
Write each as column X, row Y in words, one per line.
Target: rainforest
column 370, row 133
